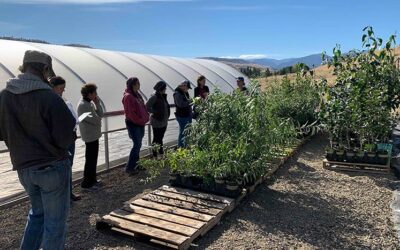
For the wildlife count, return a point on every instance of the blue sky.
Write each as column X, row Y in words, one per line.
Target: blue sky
column 193, row 28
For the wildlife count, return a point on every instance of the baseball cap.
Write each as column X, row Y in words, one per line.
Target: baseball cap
column 187, row 83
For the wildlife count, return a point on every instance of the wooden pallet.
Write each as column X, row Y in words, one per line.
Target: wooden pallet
column 173, row 217
column 357, row 167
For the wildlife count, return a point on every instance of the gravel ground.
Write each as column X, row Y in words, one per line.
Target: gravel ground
column 304, row 206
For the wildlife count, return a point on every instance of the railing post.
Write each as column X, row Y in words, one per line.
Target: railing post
column 149, row 138
column 106, row 148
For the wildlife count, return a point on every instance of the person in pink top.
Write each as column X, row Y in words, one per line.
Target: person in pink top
column 136, row 117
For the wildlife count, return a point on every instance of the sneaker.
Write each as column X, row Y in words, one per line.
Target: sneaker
column 75, row 197
column 93, row 188
column 98, row 183
column 132, row 172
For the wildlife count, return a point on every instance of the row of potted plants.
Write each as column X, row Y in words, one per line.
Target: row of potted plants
column 359, row 109
column 369, row 155
column 232, row 140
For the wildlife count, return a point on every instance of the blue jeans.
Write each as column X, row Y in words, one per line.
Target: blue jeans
column 183, row 122
column 49, row 192
column 136, row 133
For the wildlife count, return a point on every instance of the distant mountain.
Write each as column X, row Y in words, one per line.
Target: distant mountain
column 274, row 64
column 311, row 61
column 239, row 64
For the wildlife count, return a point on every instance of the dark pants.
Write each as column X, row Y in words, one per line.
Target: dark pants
column 158, row 136
column 136, row 133
column 89, row 173
column 71, row 150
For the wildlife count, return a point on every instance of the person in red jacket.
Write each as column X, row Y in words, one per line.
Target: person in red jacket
column 136, row 117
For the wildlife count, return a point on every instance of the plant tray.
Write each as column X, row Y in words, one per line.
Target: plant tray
column 357, row 167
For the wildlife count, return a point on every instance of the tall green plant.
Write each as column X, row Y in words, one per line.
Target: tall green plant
column 358, row 108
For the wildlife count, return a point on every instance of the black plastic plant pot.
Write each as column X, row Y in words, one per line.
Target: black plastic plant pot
column 383, row 158
column 175, row 179
column 208, row 186
column 340, row 156
column 186, row 181
column 196, row 182
column 232, row 191
column 371, row 158
column 330, row 157
column 232, row 186
column 360, row 157
column 349, row 156
column 219, row 186
column 219, row 181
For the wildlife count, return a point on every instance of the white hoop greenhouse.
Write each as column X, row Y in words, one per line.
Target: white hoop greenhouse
column 109, row 71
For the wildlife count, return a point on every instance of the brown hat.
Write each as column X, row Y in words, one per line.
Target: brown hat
column 33, row 56
column 37, row 57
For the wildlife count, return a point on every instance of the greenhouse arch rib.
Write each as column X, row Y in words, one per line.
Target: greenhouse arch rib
column 111, row 66
column 59, row 61
column 179, row 73
column 144, row 66
column 205, row 62
column 196, row 62
column 177, row 61
column 6, row 70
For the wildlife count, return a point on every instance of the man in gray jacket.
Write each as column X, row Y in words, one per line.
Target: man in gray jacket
column 36, row 125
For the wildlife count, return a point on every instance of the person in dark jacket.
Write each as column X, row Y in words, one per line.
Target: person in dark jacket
column 58, row 84
column 90, row 128
column 201, row 90
column 241, row 85
column 183, row 112
column 136, row 117
column 36, row 125
column 159, row 108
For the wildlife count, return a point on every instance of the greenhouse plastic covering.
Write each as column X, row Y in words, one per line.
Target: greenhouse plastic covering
column 110, row 69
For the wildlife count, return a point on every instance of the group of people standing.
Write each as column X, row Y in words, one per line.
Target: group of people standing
column 157, row 110
column 39, row 128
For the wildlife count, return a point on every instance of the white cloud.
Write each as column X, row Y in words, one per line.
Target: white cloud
column 246, row 57
column 84, row 2
column 256, row 56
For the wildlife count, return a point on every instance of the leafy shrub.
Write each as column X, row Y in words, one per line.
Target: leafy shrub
column 358, row 108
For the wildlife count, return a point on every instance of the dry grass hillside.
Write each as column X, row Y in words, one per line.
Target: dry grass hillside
column 320, row 72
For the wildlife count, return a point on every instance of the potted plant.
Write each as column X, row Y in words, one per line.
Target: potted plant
column 340, row 154
column 383, row 156
column 360, row 155
column 371, row 153
column 330, row 153
column 350, row 155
